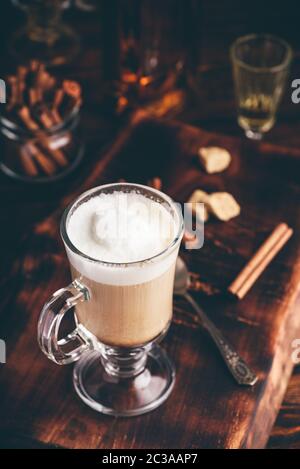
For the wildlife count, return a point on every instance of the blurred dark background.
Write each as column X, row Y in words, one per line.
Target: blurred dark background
column 209, row 28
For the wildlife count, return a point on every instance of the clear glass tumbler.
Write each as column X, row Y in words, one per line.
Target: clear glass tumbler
column 260, row 69
column 45, row 37
column 121, row 312
column 151, row 50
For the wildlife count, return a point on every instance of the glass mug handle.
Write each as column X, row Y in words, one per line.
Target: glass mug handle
column 76, row 342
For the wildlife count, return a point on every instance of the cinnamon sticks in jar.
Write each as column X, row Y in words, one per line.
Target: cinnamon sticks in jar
column 38, row 109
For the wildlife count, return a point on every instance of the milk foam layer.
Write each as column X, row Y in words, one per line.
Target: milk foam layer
column 121, row 228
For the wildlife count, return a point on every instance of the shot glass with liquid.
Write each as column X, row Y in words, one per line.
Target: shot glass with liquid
column 260, row 66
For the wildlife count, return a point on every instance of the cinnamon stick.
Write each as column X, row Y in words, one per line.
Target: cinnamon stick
column 58, row 98
column 261, row 259
column 21, row 73
column 46, row 81
column 48, row 143
column 21, row 85
column 56, row 119
column 27, row 162
column 13, row 101
column 72, row 88
column 55, row 153
column 33, row 66
column 45, row 163
column 72, row 91
column 156, row 183
column 35, row 96
column 46, row 119
column 45, row 143
column 28, row 121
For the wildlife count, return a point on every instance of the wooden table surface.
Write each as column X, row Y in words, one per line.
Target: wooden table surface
column 214, row 111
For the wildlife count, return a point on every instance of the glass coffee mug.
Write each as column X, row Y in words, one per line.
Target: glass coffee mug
column 121, row 312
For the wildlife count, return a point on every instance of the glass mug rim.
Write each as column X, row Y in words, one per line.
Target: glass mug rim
column 273, row 69
column 158, row 256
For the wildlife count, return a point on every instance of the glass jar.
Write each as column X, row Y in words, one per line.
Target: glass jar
column 40, row 156
column 45, row 36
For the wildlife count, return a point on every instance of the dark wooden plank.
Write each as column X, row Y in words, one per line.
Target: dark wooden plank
column 286, row 432
column 206, row 408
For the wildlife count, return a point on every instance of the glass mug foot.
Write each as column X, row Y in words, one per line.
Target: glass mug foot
column 124, row 396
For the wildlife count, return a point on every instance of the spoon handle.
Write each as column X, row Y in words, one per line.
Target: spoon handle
column 236, row 365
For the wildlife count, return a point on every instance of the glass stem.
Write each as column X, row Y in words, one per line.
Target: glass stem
column 123, row 363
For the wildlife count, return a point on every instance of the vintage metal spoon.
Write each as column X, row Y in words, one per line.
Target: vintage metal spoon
column 236, row 365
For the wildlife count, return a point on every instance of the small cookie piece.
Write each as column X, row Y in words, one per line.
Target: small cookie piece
column 199, row 196
column 223, row 205
column 214, row 159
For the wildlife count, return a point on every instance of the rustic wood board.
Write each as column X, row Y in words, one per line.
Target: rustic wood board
column 206, row 409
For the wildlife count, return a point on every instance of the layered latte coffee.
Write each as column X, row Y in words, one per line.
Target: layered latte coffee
column 121, row 239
